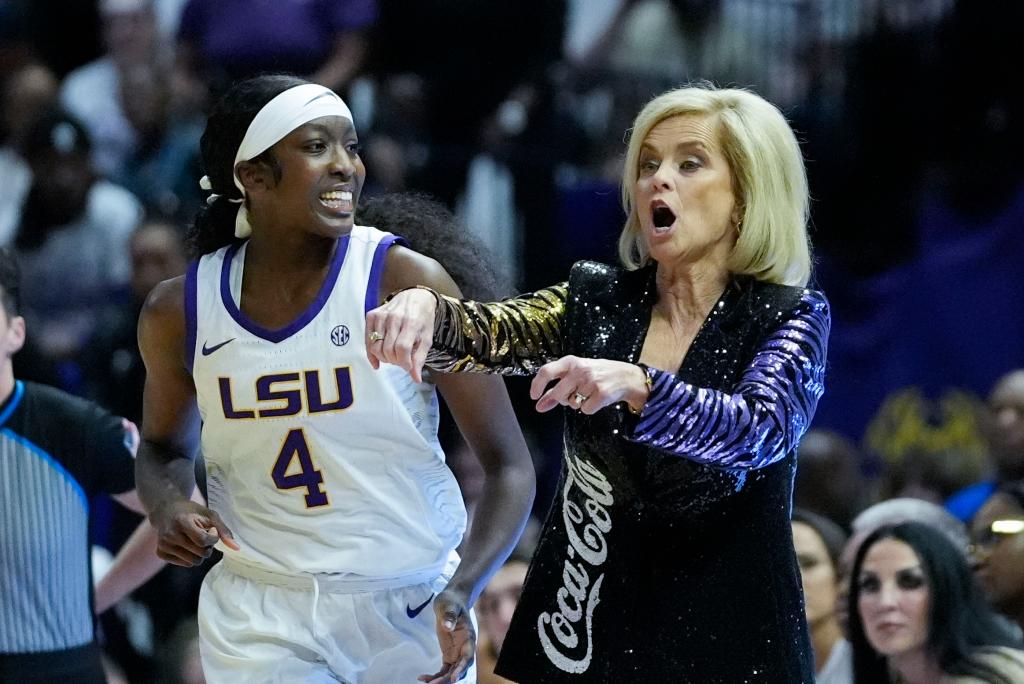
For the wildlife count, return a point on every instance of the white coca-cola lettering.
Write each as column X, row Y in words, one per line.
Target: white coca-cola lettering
column 560, row 631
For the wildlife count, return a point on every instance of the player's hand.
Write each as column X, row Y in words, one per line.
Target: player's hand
column 457, row 637
column 401, row 331
column 187, row 532
column 588, row 385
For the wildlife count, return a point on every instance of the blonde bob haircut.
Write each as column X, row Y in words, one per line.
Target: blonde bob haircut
column 768, row 177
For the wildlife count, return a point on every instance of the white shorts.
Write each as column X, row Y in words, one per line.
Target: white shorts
column 254, row 630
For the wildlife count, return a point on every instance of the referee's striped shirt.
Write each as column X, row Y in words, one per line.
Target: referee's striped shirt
column 56, row 451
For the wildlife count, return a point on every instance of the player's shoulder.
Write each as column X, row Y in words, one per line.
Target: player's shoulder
column 408, row 268
column 166, row 302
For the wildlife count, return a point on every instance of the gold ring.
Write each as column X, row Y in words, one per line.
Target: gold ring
column 579, row 399
column 375, row 336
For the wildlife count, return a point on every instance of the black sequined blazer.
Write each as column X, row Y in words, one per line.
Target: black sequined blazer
column 667, row 555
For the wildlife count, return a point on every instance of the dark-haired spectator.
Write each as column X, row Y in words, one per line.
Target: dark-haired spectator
column 998, row 535
column 819, row 542
column 1006, row 444
column 111, row 363
column 161, row 169
column 917, row 617
column 894, row 512
column 933, row 474
column 25, row 93
column 72, row 240
column 829, row 481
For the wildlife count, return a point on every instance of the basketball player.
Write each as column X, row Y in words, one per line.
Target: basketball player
column 328, row 491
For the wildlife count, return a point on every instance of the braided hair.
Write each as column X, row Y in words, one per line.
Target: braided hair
column 214, row 225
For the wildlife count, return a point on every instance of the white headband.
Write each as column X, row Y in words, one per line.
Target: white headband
column 278, row 118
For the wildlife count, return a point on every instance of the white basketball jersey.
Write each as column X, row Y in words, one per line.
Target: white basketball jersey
column 317, row 462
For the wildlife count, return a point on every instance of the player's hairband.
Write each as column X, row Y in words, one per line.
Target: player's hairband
column 278, row 118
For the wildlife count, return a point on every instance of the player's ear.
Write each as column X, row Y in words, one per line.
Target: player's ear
column 255, row 175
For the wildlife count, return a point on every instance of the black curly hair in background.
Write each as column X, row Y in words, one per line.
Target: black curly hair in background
column 226, row 125
column 432, row 230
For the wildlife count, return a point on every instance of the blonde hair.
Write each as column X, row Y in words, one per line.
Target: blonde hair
column 768, row 173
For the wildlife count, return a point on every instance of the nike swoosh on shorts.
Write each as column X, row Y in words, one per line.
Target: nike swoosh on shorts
column 413, row 612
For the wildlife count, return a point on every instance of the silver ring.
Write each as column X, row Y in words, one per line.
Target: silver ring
column 579, row 399
column 375, row 336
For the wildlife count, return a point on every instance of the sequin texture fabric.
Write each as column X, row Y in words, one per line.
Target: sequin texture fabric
column 763, row 417
column 667, row 555
column 514, row 337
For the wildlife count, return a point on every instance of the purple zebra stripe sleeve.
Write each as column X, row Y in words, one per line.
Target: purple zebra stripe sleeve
column 768, row 411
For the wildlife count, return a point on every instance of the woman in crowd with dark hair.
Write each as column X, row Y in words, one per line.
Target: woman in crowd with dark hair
column 692, row 373
column 328, row 491
column 998, row 550
column 916, row 616
column 819, row 542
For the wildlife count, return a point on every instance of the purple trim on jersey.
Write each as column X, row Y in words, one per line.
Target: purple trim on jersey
column 377, row 268
column 304, row 318
column 53, row 463
column 19, row 392
column 191, row 318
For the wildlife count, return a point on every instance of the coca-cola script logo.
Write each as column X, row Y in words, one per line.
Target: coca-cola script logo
column 565, row 634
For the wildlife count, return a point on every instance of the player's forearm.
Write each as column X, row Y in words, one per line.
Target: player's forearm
column 163, row 475
column 134, row 564
column 498, row 522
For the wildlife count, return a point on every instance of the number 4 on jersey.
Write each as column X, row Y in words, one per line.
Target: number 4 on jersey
column 308, row 476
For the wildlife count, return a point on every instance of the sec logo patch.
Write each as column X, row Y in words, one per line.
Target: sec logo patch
column 340, row 335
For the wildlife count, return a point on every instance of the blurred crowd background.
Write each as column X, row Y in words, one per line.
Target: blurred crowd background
column 513, row 114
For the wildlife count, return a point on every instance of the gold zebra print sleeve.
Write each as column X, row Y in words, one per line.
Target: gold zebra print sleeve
column 512, row 337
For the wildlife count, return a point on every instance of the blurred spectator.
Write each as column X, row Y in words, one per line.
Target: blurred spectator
column 932, row 475
column 494, row 613
column 819, row 542
column 1006, row 444
column 828, row 477
column 916, row 616
column 494, row 133
column 114, row 377
column 324, row 41
column 25, row 94
column 93, row 93
column 998, row 534
column 112, row 364
column 900, row 57
column 162, row 168
column 72, row 240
